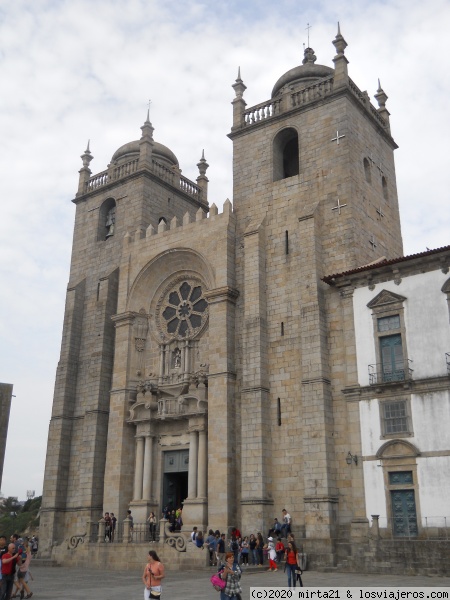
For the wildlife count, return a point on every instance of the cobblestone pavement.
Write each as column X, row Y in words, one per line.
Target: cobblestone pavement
column 77, row 583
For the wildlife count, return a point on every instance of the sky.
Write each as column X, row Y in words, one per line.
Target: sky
column 78, row 70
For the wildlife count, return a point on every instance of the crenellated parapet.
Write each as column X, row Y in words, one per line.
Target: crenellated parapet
column 175, row 224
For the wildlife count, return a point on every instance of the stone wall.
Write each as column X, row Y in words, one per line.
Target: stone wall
column 113, row 557
column 402, row 557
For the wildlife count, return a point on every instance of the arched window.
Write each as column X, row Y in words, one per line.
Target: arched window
column 385, row 188
column 285, row 154
column 106, row 220
column 367, row 172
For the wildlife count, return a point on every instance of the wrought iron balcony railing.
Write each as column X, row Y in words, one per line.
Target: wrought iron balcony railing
column 381, row 373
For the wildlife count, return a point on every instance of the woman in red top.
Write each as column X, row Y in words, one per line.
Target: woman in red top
column 291, row 562
column 152, row 575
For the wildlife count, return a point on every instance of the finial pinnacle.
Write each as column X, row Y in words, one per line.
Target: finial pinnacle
column 202, row 165
column 239, row 86
column 87, row 147
column 339, row 42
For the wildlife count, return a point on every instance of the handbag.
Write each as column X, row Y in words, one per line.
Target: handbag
column 155, row 595
column 299, row 573
column 217, row 581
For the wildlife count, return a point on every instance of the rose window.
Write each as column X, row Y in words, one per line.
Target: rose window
column 184, row 311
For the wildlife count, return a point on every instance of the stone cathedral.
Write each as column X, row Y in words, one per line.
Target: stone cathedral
column 203, row 356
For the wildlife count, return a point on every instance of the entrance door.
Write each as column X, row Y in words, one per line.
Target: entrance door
column 175, row 489
column 404, row 513
column 175, row 483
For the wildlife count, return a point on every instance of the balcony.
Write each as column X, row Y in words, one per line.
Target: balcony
column 392, row 373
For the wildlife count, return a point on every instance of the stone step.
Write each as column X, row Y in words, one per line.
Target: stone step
column 44, row 562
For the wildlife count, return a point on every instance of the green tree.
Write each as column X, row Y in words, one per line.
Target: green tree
column 15, row 518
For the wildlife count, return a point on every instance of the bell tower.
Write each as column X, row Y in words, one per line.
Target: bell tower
column 314, row 194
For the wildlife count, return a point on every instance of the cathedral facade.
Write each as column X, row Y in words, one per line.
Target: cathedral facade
column 204, row 357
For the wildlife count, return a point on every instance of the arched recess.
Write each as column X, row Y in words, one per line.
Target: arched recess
column 401, row 485
column 171, row 389
column 285, row 154
column 397, row 449
column 147, row 286
column 385, row 188
column 106, row 220
column 367, row 171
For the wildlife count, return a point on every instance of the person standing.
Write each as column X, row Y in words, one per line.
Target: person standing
column 22, row 571
column 130, row 518
column 152, row 526
column 291, row 563
column 113, row 526
column 108, row 527
column 260, row 548
column 252, row 547
column 231, row 574
column 272, row 555
column 9, row 561
column 211, row 544
column 153, row 575
column 244, row 551
column 221, row 549
column 234, row 547
column 3, row 550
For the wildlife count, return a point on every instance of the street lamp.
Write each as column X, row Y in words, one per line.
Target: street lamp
column 351, row 458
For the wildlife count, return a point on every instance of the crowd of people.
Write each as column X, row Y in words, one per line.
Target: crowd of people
column 15, row 558
column 230, row 555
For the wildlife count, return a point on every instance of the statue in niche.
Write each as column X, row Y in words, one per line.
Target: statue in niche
column 176, row 359
column 110, row 222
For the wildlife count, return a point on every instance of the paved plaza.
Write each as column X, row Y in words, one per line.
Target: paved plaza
column 84, row 584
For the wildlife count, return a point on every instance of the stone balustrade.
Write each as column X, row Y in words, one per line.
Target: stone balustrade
column 170, row 176
column 313, row 92
column 189, row 187
column 262, row 111
column 125, row 169
column 96, row 181
column 320, row 89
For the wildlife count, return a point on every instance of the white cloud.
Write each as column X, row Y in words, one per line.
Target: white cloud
column 79, row 70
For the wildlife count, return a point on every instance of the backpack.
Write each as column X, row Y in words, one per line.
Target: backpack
column 234, row 546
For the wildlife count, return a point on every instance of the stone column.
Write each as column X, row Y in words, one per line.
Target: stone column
column 186, row 361
column 202, row 464
column 101, row 531
column 139, row 468
column 147, row 475
column 161, row 362
column 193, row 461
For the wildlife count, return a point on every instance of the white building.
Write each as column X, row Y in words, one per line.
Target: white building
column 401, row 311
